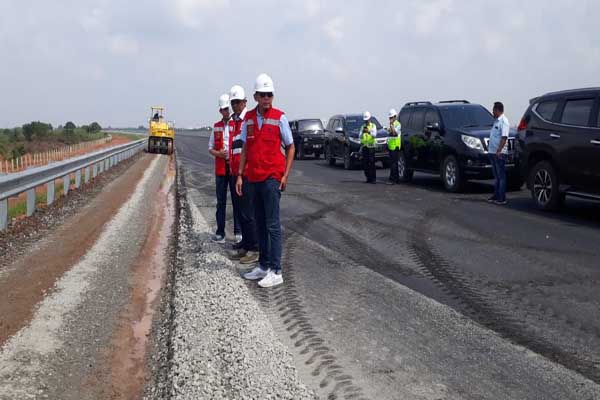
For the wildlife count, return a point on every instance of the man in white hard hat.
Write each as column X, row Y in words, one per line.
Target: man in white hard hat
column 219, row 144
column 268, row 153
column 245, row 251
column 394, row 143
column 368, row 132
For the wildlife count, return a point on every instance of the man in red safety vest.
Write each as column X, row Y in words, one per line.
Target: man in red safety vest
column 218, row 146
column 268, row 152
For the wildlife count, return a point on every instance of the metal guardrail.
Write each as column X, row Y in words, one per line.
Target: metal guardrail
column 87, row 166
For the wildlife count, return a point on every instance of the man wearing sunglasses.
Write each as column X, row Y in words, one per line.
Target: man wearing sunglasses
column 268, row 153
column 246, row 251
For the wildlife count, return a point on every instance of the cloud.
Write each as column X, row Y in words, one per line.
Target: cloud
column 193, row 13
column 429, row 14
column 123, row 45
column 334, row 29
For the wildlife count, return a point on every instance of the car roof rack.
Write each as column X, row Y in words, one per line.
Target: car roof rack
column 570, row 91
column 455, row 101
column 418, row 103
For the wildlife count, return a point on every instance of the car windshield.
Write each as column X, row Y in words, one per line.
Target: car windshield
column 310, row 125
column 353, row 125
column 467, row 116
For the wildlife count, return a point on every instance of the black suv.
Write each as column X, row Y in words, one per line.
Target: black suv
column 342, row 141
column 309, row 137
column 450, row 138
column 559, row 143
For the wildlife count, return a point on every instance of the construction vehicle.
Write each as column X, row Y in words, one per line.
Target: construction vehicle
column 161, row 133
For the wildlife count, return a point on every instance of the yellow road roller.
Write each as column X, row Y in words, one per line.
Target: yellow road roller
column 161, row 133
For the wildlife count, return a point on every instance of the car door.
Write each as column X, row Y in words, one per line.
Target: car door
column 338, row 138
column 418, row 140
column 434, row 140
column 405, row 114
column 578, row 134
column 294, row 129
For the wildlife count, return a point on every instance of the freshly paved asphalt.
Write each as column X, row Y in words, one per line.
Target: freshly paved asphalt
column 407, row 291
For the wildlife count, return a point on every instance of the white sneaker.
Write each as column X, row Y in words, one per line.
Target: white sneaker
column 218, row 239
column 256, row 274
column 238, row 238
column 272, row 279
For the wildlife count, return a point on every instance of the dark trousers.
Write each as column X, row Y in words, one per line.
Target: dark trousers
column 394, row 177
column 499, row 169
column 267, row 195
column 221, row 184
column 248, row 216
column 368, row 154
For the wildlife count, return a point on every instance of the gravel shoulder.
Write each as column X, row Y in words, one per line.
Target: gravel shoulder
column 221, row 343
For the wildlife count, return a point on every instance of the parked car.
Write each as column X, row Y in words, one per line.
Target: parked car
column 450, row 138
column 342, row 141
column 309, row 137
column 559, row 144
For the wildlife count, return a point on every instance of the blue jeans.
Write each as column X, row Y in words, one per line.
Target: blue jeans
column 267, row 196
column 499, row 170
column 222, row 182
column 248, row 216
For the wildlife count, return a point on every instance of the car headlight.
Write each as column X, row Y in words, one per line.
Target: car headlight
column 354, row 140
column 305, row 139
column 472, row 142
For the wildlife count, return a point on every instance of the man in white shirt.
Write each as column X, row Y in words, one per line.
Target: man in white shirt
column 497, row 152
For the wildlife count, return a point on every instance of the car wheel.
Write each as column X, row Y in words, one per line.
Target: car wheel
column 328, row 155
column 451, row 174
column 317, row 155
column 544, row 183
column 404, row 172
column 385, row 164
column 348, row 163
column 301, row 152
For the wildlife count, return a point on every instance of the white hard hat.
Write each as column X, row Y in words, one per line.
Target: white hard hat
column 237, row 93
column 264, row 83
column 223, row 101
column 392, row 113
column 366, row 116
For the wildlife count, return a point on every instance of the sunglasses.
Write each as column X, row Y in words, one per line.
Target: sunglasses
column 236, row 102
column 265, row 94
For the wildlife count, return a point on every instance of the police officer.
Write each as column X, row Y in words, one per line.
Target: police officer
column 368, row 132
column 246, row 251
column 218, row 146
column 394, row 143
column 269, row 153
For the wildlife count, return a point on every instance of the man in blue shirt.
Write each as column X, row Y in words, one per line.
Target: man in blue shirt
column 497, row 152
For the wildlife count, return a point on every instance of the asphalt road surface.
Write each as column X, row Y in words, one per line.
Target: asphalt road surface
column 408, row 291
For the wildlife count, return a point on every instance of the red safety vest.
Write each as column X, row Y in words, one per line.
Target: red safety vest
column 263, row 146
column 219, row 144
column 235, row 150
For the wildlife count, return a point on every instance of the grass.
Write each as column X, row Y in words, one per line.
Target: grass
column 20, row 208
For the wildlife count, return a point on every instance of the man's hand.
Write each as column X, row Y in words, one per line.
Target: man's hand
column 223, row 154
column 283, row 183
column 238, row 185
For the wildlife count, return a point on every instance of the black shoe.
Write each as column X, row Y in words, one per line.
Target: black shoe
column 501, row 203
column 238, row 245
column 491, row 199
column 390, row 183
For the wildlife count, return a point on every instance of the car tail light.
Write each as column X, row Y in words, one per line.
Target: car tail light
column 522, row 125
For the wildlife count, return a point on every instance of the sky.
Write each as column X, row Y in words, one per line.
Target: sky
column 110, row 60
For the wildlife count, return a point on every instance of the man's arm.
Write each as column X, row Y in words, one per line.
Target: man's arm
column 288, row 141
column 240, row 179
column 504, row 139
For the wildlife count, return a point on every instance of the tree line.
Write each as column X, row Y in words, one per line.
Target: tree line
column 37, row 135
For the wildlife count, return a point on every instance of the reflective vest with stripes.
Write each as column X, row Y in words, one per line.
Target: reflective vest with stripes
column 366, row 139
column 264, row 153
column 219, row 144
column 394, row 142
column 235, row 150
